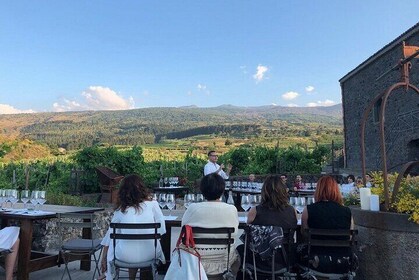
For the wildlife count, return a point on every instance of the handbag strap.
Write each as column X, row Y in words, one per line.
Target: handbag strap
column 186, row 237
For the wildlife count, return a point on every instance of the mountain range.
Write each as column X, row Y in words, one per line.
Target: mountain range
column 149, row 125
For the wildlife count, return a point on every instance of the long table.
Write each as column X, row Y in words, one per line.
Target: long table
column 28, row 260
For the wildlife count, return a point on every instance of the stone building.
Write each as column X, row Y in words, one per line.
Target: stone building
column 360, row 86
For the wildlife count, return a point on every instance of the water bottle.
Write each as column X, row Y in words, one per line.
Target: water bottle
column 230, row 199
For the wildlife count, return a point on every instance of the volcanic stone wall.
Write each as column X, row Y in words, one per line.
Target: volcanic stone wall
column 401, row 118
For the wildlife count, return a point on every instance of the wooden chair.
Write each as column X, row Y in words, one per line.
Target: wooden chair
column 117, row 235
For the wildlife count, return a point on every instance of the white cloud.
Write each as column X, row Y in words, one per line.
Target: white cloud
column 274, row 104
column 96, row 98
column 327, row 102
column 290, row 95
column 309, row 89
column 6, row 109
column 292, row 105
column 203, row 88
column 260, row 73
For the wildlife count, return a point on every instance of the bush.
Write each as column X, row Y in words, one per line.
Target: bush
column 408, row 197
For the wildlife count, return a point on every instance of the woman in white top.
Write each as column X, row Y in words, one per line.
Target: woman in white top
column 9, row 240
column 213, row 214
column 134, row 206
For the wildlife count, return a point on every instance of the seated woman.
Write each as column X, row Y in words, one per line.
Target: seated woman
column 134, row 206
column 213, row 214
column 328, row 212
column 274, row 210
column 9, row 240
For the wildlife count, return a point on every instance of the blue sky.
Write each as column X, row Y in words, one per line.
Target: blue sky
column 110, row 55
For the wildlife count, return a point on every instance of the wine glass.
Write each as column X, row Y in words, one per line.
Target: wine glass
column 13, row 197
column 24, row 197
column 245, row 202
column 166, row 181
column 188, row 199
column 256, row 199
column 41, row 198
column 310, row 200
column 34, row 199
column 154, row 197
column 300, row 204
column 3, row 197
column 199, row 197
column 170, row 202
column 162, row 200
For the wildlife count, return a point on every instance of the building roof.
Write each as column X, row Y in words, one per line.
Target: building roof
column 382, row 51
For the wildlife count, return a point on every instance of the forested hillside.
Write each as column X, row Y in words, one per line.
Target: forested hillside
column 74, row 130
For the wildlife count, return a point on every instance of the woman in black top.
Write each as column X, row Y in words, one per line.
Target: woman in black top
column 274, row 210
column 327, row 213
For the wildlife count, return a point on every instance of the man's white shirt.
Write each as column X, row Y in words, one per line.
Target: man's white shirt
column 211, row 167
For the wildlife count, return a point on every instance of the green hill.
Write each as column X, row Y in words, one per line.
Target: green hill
column 72, row 130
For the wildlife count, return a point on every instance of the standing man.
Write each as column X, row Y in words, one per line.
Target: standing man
column 213, row 167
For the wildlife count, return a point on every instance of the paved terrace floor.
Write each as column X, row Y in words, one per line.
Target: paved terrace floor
column 54, row 273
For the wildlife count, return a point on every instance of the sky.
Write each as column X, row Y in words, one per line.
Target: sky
column 58, row 56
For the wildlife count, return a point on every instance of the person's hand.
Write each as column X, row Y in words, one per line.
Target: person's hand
column 222, row 165
column 229, row 167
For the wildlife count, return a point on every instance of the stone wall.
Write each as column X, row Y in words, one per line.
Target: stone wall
column 46, row 232
column 359, row 89
column 388, row 245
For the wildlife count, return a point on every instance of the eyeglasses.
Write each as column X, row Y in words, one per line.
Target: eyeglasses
column 213, row 155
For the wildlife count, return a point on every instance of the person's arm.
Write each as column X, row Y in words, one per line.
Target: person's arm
column 10, row 260
column 252, row 215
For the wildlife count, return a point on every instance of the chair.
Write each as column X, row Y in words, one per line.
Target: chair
column 283, row 250
column 117, row 235
column 78, row 247
column 215, row 236
column 333, row 240
column 108, row 179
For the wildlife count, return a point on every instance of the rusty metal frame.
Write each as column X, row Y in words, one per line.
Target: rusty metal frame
column 404, row 66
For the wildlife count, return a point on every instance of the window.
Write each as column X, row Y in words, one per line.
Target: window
column 376, row 110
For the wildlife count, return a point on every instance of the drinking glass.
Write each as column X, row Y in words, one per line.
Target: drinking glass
column 171, row 203
column 166, row 181
column 299, row 206
column 245, row 203
column 310, row 200
column 199, row 197
column 13, row 197
column 155, row 197
column 34, row 199
column 42, row 198
column 162, row 200
column 24, row 197
column 292, row 200
column 3, row 197
column 188, row 199
column 257, row 199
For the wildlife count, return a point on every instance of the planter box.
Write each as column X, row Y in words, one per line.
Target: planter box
column 388, row 245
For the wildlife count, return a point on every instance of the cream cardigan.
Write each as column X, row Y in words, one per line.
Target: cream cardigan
column 211, row 215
